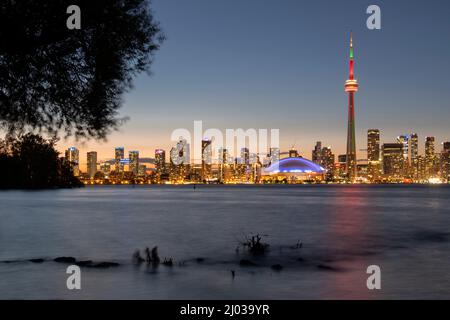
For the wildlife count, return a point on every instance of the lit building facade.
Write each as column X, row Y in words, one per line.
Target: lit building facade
column 134, row 162
column 445, row 162
column 91, row 164
column 393, row 161
column 119, row 155
column 431, row 167
column 73, row 158
column 292, row 171
column 206, row 159
column 373, row 155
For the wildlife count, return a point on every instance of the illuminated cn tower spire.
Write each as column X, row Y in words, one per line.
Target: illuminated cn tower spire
column 351, row 86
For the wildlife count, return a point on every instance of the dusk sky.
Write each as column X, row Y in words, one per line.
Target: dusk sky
column 282, row 64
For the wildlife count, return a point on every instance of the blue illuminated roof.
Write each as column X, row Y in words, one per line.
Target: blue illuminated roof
column 294, row 165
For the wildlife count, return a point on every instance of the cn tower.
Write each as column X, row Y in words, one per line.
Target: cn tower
column 351, row 87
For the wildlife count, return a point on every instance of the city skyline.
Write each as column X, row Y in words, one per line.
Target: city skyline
column 294, row 81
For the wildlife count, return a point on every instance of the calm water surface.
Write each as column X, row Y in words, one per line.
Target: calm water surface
column 343, row 229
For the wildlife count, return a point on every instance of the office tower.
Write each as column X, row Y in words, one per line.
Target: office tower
column 327, row 159
column 224, row 165
column 445, row 162
column 373, row 145
column 351, row 87
column 414, row 156
column 393, row 161
column 293, row 153
column 119, row 156
column 404, row 140
column 134, row 162
column 160, row 163
column 430, row 157
column 180, row 161
column 206, row 159
column 91, row 164
column 73, row 158
column 413, row 147
column 373, row 155
column 316, row 153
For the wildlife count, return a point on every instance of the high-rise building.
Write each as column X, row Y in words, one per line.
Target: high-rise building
column 445, row 162
column 180, row 161
column 404, row 140
column 327, row 160
column 160, row 163
column 413, row 147
column 430, row 157
column 91, row 164
column 119, row 156
column 351, row 87
column 393, row 161
column 134, row 162
column 413, row 157
column 373, row 155
column 316, row 153
column 206, row 159
column 373, row 145
column 73, row 158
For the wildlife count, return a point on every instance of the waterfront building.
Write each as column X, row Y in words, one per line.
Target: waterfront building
column 134, row 162
column 373, row 155
column 119, row 155
column 91, row 164
column 293, row 170
column 393, row 161
column 73, row 158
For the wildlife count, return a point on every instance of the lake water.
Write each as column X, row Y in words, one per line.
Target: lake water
column 405, row 230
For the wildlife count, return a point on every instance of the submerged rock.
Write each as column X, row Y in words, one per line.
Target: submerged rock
column 65, row 260
column 39, row 260
column 105, row 264
column 86, row 263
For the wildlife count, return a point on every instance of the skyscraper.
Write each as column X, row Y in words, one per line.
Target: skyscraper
column 160, row 163
column 316, row 153
column 206, row 159
column 373, row 155
column 393, row 160
column 445, row 162
column 119, row 155
column 73, row 158
column 351, row 87
column 430, row 157
column 327, row 160
column 414, row 156
column 413, row 147
column 373, row 145
column 404, row 140
column 134, row 162
column 92, row 164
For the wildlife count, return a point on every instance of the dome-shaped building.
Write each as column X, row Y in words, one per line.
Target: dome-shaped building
column 293, row 170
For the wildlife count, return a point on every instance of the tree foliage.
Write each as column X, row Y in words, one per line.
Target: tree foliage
column 31, row 162
column 54, row 79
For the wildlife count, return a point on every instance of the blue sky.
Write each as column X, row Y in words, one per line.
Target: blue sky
column 282, row 64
